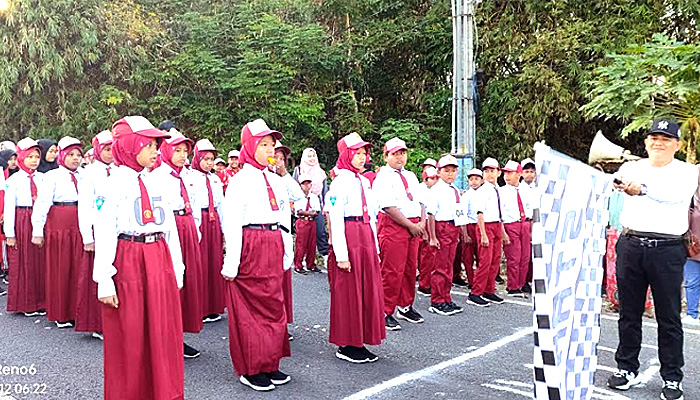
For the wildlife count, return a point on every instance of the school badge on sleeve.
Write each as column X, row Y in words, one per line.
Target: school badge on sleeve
column 99, row 202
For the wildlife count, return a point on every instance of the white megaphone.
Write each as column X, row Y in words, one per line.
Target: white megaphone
column 603, row 150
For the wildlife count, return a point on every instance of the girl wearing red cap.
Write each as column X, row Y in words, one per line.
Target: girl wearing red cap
column 253, row 264
column 211, row 246
column 357, row 299
column 55, row 227
column 26, row 289
column 94, row 185
column 138, row 270
column 173, row 154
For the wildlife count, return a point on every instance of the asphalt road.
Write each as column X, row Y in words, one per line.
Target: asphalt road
column 479, row 354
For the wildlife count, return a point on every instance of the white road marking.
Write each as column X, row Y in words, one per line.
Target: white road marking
column 508, row 389
column 649, row 373
column 425, row 372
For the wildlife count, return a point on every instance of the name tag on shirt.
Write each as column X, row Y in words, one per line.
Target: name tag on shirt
column 460, row 214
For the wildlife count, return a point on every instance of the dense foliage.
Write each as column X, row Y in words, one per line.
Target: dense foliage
column 319, row 69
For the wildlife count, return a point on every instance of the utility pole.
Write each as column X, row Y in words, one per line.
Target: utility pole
column 463, row 87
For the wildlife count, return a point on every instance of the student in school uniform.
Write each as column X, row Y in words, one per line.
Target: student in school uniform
column 211, row 245
column 138, row 270
column 426, row 252
column 306, row 210
column 530, row 179
column 232, row 169
column 254, row 263
column 357, row 298
column 49, row 153
column 447, row 221
column 516, row 213
column 55, row 228
column 187, row 210
column 428, row 163
column 27, row 284
column 400, row 228
column 93, row 186
column 470, row 248
column 3, row 243
column 491, row 237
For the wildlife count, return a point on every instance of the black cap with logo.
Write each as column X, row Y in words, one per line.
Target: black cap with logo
column 666, row 127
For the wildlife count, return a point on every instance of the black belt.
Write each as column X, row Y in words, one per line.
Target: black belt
column 353, row 219
column 650, row 235
column 205, row 209
column 24, row 207
column 650, row 242
column 180, row 212
column 148, row 238
column 65, row 203
column 263, row 227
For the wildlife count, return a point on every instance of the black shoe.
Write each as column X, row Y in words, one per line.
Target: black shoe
column 424, row 291
column 477, row 301
column 672, row 390
column 259, row 382
column 300, row 271
column 352, row 354
column 499, row 279
column 5, row 280
column 211, row 318
column 33, row 314
column 410, row 315
column 314, row 269
column 460, row 282
column 279, row 378
column 42, row 312
column 391, row 324
column 290, row 337
column 526, row 289
column 64, row 324
column 455, row 307
column 371, row 357
column 492, row 298
column 623, row 380
column 442, row 309
column 191, row 352
column 3, row 291
column 516, row 293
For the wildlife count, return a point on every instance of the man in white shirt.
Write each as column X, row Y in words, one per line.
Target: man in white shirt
column 400, row 228
column 650, row 252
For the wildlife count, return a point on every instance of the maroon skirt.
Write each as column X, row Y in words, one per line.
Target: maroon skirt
column 287, row 291
column 257, row 321
column 88, row 309
column 193, row 283
column 357, row 299
column 63, row 255
column 211, row 249
column 143, row 352
column 25, row 293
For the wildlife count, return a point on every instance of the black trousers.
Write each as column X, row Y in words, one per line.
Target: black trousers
column 321, row 235
column 638, row 267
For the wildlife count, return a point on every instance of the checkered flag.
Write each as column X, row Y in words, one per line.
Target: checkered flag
column 568, row 244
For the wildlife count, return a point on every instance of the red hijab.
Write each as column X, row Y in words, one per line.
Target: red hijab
column 98, row 147
column 197, row 158
column 23, row 154
column 63, row 153
column 168, row 149
column 127, row 147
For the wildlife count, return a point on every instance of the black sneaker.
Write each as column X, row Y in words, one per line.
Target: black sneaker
column 442, row 309
column 455, row 307
column 492, row 297
column 424, row 291
column 477, row 301
column 672, row 390
column 211, row 318
column 259, row 382
column 314, row 269
column 410, row 315
column 33, row 314
column 499, row 279
column 460, row 282
column 290, row 336
column 527, row 288
column 42, row 312
column 3, row 291
column 191, row 352
column 371, row 357
column 64, row 324
column 391, row 323
column 5, row 280
column 279, row 378
column 352, row 354
column 516, row 293
column 300, row 271
column 623, row 380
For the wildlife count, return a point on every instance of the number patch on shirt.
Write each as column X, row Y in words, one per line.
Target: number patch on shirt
column 158, row 211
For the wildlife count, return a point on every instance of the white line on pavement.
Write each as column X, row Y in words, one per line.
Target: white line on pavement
column 508, row 389
column 425, row 372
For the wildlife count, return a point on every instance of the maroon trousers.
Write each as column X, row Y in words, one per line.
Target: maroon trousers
column 398, row 253
column 469, row 252
column 426, row 258
column 441, row 280
column 211, row 250
column 517, row 253
column 489, row 260
column 192, row 291
column 257, row 321
column 143, row 353
column 287, row 292
column 88, row 309
column 357, row 298
column 63, row 255
column 25, row 293
column 305, row 245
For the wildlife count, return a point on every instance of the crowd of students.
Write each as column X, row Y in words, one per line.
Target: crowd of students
column 154, row 236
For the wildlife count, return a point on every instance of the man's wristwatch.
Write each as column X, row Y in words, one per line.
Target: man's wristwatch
column 643, row 190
